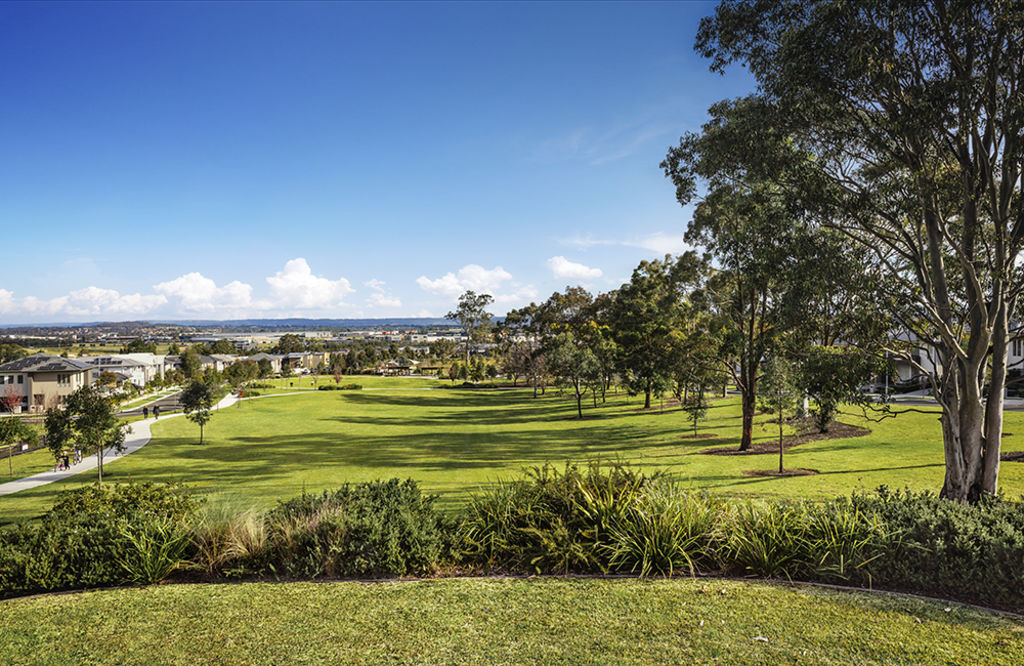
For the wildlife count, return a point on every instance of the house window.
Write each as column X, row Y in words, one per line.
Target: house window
column 21, row 379
column 64, row 380
column 1017, row 345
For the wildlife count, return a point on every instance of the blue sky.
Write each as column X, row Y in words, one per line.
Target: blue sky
column 214, row 161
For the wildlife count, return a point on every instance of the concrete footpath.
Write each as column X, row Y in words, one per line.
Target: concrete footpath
column 135, row 440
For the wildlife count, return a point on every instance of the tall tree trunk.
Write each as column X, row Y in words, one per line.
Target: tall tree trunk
column 994, row 406
column 963, row 420
column 747, row 402
column 647, row 399
column 780, row 440
column 99, row 466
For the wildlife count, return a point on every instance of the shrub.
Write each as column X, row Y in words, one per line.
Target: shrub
column 973, row 552
column 379, row 528
column 340, row 387
column 94, row 537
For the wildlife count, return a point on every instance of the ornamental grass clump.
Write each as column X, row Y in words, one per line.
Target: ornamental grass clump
column 228, row 540
column 551, row 521
column 666, row 531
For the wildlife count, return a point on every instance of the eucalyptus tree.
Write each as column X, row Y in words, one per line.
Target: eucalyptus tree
column 472, row 316
column 523, row 329
column 911, row 110
column 646, row 312
column 757, row 240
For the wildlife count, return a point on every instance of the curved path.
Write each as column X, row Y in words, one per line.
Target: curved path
column 135, row 440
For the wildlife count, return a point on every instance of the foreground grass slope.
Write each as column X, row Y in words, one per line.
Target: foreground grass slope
column 453, row 442
column 500, row 621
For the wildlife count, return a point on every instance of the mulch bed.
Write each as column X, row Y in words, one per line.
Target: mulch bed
column 775, row 472
column 806, row 432
column 1012, row 456
column 700, row 435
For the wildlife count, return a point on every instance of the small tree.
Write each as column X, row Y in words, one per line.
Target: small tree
column 831, row 376
column 779, row 394
column 196, row 402
column 264, row 368
column 575, row 364
column 10, row 399
column 88, row 419
column 696, row 408
column 471, row 315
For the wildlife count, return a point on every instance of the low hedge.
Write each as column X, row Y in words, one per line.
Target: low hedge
column 584, row 520
column 340, row 387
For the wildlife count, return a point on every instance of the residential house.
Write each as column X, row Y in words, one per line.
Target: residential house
column 273, row 359
column 42, row 381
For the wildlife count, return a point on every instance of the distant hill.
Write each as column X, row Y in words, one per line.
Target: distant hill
column 253, row 324
column 315, row 323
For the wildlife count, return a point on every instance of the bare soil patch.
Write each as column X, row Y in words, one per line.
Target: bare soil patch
column 775, row 472
column 700, row 435
column 1012, row 456
column 805, row 432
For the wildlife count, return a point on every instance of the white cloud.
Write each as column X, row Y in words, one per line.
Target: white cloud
column 374, row 283
column 297, row 287
column 380, row 300
column 195, row 292
column 6, row 301
column 659, row 243
column 562, row 268
column 91, row 301
column 663, row 243
column 36, row 306
column 97, row 301
column 471, row 277
column 520, row 296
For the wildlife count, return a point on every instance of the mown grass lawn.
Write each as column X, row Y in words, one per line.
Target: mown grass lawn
column 25, row 464
column 366, row 381
column 454, row 442
column 466, row 621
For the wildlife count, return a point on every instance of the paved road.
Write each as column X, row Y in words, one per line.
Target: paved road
column 167, row 404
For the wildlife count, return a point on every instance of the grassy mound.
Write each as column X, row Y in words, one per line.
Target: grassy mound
column 500, row 621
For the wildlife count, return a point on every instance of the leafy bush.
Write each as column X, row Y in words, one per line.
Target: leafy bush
column 340, row 387
column 94, row 537
column 375, row 528
column 940, row 547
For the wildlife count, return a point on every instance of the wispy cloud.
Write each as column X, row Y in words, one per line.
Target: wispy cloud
column 658, row 243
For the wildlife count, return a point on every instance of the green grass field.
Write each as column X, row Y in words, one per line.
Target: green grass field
column 25, row 464
column 465, row 621
column 454, row 442
column 366, row 381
